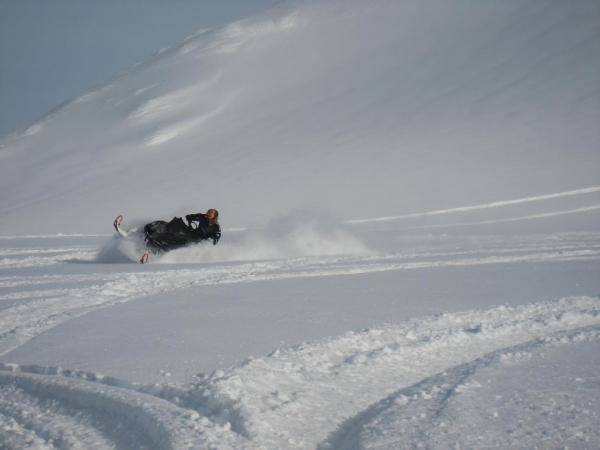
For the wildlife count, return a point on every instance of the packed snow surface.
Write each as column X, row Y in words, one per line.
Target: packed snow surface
column 395, row 383
column 410, row 201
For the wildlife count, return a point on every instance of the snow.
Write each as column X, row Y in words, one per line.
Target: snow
column 190, row 337
column 517, row 201
column 409, row 196
column 52, row 52
column 537, row 394
column 407, row 107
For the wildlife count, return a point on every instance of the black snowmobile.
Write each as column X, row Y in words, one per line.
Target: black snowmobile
column 160, row 236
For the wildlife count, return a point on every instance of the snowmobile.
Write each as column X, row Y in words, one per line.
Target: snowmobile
column 160, row 236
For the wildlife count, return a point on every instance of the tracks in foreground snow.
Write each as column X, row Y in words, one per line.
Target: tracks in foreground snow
column 435, row 412
column 341, row 387
column 322, row 393
column 32, row 304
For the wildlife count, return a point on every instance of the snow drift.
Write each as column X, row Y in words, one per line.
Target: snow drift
column 364, row 108
column 285, row 399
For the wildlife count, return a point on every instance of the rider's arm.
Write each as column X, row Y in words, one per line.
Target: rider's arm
column 192, row 218
column 216, row 235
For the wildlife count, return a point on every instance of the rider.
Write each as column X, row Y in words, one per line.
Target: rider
column 205, row 226
column 161, row 236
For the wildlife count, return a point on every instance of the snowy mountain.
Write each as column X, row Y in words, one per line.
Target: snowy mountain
column 410, row 197
column 361, row 109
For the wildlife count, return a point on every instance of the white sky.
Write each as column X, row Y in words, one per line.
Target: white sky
column 51, row 51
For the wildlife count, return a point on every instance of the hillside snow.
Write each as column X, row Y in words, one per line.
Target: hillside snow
column 362, row 109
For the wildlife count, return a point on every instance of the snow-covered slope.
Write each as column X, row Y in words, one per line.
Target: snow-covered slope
column 454, row 126
column 361, row 108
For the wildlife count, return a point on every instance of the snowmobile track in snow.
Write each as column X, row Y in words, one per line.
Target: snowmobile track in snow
column 26, row 313
column 419, row 410
column 337, row 386
column 287, row 395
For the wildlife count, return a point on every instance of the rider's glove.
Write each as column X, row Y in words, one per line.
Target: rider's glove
column 216, row 237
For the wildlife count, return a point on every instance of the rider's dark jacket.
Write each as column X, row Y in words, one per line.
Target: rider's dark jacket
column 161, row 236
column 202, row 227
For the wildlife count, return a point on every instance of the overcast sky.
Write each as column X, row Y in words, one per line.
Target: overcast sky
column 53, row 50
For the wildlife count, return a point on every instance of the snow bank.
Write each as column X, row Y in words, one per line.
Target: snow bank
column 294, row 397
column 126, row 416
column 541, row 392
column 358, row 390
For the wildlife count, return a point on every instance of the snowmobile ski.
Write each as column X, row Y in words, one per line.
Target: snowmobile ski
column 129, row 233
column 117, row 224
